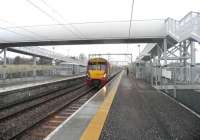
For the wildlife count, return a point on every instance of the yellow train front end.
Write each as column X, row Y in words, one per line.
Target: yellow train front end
column 97, row 72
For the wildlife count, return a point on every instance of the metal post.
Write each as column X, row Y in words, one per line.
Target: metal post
column 73, row 69
column 184, row 61
column 181, row 62
column 165, row 51
column 155, row 70
column 131, row 58
column 4, row 63
column 193, row 59
column 34, row 66
column 4, row 58
column 53, row 62
column 193, row 55
column 53, row 68
column 158, row 64
column 174, row 90
column 139, row 50
column 151, row 65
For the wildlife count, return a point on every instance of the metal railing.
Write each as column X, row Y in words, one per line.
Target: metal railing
column 37, row 51
column 24, row 71
column 188, row 26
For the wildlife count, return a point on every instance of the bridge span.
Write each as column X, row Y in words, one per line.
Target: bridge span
column 142, row 31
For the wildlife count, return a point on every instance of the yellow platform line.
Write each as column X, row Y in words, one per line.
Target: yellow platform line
column 93, row 130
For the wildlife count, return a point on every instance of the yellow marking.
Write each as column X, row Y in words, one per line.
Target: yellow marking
column 93, row 130
column 96, row 74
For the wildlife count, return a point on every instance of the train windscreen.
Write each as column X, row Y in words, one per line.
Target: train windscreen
column 97, row 66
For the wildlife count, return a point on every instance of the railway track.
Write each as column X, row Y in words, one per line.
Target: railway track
column 18, row 96
column 40, row 131
column 35, row 118
column 17, row 120
column 12, row 110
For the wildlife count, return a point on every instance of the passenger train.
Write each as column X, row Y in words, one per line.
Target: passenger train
column 98, row 71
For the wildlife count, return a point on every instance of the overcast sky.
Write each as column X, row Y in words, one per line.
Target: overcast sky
column 29, row 13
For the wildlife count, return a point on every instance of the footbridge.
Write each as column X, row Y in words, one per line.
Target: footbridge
column 172, row 62
column 142, row 31
column 188, row 28
column 41, row 52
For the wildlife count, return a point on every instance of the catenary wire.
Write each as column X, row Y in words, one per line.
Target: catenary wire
column 51, row 17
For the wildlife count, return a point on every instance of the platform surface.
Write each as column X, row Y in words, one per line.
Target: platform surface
column 139, row 112
column 129, row 109
column 20, row 85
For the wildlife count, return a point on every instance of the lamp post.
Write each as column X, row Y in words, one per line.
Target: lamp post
column 139, row 49
column 138, row 72
column 53, row 61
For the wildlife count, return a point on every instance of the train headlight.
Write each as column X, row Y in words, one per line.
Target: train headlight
column 88, row 75
column 104, row 75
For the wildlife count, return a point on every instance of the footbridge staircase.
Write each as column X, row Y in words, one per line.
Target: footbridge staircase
column 187, row 28
column 173, row 60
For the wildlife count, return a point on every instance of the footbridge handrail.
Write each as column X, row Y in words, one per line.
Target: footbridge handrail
column 187, row 27
column 41, row 52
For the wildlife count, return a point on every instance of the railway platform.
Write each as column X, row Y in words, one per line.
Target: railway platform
column 127, row 109
column 16, row 85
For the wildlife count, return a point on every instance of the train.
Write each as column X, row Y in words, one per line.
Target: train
column 98, row 72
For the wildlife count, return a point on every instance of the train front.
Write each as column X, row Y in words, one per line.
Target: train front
column 97, row 71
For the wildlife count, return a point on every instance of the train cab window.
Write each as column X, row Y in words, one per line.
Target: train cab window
column 103, row 66
column 95, row 66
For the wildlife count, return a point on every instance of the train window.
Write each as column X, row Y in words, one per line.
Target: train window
column 103, row 66
column 95, row 66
